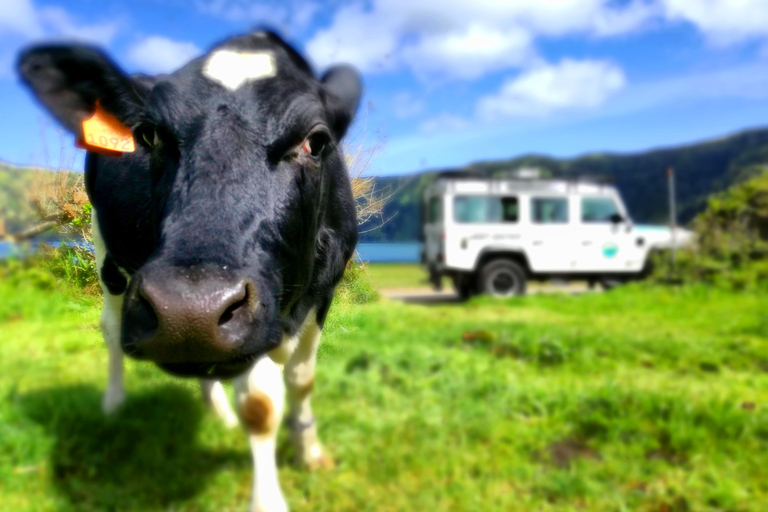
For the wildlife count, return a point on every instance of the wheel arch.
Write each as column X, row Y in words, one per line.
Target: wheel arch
column 516, row 255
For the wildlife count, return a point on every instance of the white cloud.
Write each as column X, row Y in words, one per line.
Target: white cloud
column 570, row 84
column 405, row 105
column 18, row 17
column 157, row 54
column 242, row 10
column 286, row 15
column 21, row 22
column 355, row 38
column 723, row 21
column 466, row 40
column 444, row 122
column 460, row 39
column 57, row 21
column 636, row 15
column 21, row 19
column 469, row 54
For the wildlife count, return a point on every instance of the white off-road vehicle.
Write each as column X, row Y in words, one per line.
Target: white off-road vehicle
column 492, row 236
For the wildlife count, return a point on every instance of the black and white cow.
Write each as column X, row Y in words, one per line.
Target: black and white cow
column 220, row 239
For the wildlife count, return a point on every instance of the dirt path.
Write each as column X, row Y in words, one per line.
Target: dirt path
column 426, row 295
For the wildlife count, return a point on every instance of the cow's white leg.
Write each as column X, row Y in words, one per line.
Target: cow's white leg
column 111, row 316
column 299, row 380
column 110, row 328
column 260, row 401
column 216, row 397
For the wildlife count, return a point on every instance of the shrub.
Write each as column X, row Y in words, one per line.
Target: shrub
column 60, row 204
column 731, row 248
column 18, row 271
column 74, row 264
column 355, row 287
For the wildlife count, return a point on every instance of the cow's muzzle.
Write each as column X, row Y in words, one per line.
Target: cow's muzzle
column 192, row 319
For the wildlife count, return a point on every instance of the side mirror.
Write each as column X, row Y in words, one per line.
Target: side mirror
column 616, row 218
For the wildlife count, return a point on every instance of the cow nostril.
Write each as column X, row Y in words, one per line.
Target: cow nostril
column 246, row 302
column 229, row 313
column 145, row 317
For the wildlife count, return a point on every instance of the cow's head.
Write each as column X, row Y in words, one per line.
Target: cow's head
column 216, row 218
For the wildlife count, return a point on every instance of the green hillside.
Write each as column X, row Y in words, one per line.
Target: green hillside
column 15, row 210
column 701, row 169
column 16, row 190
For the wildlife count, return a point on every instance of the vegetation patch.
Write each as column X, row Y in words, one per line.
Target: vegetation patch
column 731, row 248
column 420, row 407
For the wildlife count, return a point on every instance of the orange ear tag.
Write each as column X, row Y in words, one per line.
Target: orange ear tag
column 104, row 133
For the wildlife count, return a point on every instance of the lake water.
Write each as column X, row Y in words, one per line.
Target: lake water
column 408, row 252
column 5, row 249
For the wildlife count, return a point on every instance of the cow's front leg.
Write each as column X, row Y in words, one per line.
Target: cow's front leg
column 215, row 396
column 260, row 401
column 114, row 396
column 299, row 380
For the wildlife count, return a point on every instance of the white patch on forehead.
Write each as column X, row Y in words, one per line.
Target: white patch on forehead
column 233, row 69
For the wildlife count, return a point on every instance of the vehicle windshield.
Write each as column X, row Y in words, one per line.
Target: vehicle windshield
column 598, row 209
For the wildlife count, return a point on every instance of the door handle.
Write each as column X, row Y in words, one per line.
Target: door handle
column 538, row 242
column 586, row 242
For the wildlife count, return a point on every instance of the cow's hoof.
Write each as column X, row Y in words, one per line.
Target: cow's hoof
column 274, row 505
column 230, row 421
column 112, row 400
column 262, row 509
column 320, row 463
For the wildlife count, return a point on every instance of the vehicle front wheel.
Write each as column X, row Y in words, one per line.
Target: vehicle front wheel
column 502, row 278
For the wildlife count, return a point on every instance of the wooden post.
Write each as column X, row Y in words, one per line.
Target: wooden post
column 672, row 218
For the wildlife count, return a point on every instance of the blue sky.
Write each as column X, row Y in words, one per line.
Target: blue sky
column 448, row 82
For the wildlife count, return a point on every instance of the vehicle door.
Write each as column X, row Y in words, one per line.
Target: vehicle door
column 607, row 239
column 550, row 244
column 481, row 223
column 433, row 230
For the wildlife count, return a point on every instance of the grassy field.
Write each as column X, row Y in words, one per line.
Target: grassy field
column 635, row 400
column 398, row 275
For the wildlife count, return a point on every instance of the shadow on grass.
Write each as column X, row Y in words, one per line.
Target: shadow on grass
column 431, row 299
column 145, row 456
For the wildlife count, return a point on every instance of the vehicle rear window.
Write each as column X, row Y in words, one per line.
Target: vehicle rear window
column 485, row 209
column 435, row 209
column 598, row 209
column 549, row 210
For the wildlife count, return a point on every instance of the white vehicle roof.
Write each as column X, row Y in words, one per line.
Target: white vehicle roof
column 445, row 185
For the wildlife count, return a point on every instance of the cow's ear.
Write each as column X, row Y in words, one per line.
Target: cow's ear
column 345, row 87
column 69, row 79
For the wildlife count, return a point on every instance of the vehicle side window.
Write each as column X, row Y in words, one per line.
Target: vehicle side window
column 549, row 210
column 435, row 209
column 485, row 209
column 598, row 209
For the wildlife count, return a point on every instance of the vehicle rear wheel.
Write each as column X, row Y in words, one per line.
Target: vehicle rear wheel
column 463, row 285
column 609, row 283
column 502, row 278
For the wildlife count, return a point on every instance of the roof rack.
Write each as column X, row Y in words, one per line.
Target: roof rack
column 591, row 179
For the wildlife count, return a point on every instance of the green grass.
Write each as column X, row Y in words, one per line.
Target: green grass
column 397, row 275
column 640, row 399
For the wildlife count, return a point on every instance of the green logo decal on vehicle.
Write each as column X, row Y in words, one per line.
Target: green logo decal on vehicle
column 610, row 250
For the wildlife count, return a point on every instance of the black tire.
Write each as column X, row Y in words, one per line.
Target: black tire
column 463, row 286
column 502, row 278
column 609, row 283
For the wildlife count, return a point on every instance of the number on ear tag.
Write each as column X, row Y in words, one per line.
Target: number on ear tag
column 104, row 133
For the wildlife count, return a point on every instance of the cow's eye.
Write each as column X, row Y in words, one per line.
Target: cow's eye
column 316, row 143
column 147, row 136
